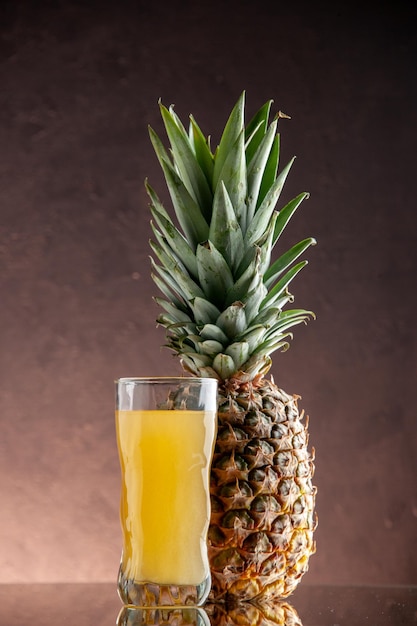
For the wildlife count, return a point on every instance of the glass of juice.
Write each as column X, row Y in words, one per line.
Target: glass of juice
column 166, row 429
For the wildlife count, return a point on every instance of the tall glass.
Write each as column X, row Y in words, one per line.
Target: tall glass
column 166, row 430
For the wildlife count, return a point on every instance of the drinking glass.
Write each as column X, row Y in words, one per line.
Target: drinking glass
column 166, row 429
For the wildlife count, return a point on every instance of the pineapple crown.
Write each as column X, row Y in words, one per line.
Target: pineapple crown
column 224, row 300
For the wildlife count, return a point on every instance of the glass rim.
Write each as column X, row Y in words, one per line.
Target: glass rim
column 164, row 379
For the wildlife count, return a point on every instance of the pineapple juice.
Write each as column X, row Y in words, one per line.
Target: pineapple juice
column 165, row 509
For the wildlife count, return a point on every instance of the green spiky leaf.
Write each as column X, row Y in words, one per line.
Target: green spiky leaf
column 234, row 126
column 225, row 231
column 256, row 129
column 263, row 215
column 176, row 240
column 270, row 171
column 204, row 312
column 282, row 284
column 284, row 261
column 202, row 150
column 256, row 169
column 232, row 320
column 211, row 331
column 286, row 213
column 185, row 162
column 215, row 276
column 187, row 210
column 239, row 351
column 224, row 365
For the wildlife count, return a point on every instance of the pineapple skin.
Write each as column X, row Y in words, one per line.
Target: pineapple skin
column 263, row 500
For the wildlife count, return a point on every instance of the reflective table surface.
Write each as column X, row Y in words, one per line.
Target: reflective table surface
column 98, row 605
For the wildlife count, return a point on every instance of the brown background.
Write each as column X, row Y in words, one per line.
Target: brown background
column 79, row 83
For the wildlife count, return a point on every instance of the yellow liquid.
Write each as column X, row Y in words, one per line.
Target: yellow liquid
column 165, row 507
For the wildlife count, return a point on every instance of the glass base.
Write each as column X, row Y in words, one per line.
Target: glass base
column 172, row 616
column 149, row 594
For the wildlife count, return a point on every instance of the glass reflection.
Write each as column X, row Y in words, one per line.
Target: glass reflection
column 162, row 616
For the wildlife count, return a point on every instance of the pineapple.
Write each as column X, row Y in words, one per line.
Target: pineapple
column 224, row 307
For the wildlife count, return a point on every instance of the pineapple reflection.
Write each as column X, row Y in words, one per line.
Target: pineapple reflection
column 162, row 616
column 248, row 614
